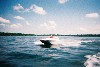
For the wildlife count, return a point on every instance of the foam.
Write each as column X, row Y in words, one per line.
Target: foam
column 70, row 43
column 93, row 60
column 65, row 43
column 62, row 43
column 38, row 42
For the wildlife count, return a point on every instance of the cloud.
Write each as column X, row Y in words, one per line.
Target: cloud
column 23, row 20
column 3, row 25
column 27, row 23
column 19, row 18
column 62, row 1
column 17, row 25
column 92, row 15
column 18, row 7
column 32, row 8
column 4, row 20
column 27, row 10
column 50, row 25
column 83, row 29
column 37, row 9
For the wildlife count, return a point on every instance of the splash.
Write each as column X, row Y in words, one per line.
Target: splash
column 62, row 43
column 37, row 43
column 71, row 43
column 66, row 43
column 93, row 60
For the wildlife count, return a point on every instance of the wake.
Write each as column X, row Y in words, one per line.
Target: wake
column 93, row 60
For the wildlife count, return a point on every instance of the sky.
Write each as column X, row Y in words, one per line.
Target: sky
column 50, row 16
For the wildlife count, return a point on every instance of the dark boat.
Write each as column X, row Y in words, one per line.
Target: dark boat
column 48, row 41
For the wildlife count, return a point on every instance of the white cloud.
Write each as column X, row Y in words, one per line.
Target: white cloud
column 50, row 25
column 32, row 8
column 18, row 25
column 27, row 23
column 83, row 29
column 27, row 10
column 62, row 1
column 4, row 20
column 19, row 18
column 23, row 20
column 2, row 25
column 18, row 7
column 92, row 15
column 37, row 9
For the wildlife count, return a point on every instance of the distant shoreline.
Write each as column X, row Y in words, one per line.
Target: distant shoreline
column 21, row 34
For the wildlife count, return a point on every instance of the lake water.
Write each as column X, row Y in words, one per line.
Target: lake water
column 24, row 51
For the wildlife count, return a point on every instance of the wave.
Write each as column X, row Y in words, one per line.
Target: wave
column 93, row 60
column 66, row 43
column 62, row 43
column 37, row 42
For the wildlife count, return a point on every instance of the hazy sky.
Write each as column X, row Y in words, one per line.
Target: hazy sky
column 50, row 16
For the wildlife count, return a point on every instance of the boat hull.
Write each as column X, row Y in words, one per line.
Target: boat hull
column 47, row 43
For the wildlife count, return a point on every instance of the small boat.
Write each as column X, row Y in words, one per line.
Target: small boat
column 48, row 41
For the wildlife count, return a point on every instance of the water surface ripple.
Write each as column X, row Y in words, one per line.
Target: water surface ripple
column 24, row 51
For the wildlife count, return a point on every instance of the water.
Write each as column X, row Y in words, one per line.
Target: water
column 24, row 51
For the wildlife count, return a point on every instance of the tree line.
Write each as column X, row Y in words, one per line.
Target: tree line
column 22, row 34
column 15, row 34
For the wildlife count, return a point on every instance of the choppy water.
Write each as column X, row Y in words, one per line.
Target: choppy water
column 24, row 51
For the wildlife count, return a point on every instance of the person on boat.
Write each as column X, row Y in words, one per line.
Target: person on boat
column 51, row 36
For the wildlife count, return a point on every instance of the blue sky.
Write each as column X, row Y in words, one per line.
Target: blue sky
column 50, row 16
